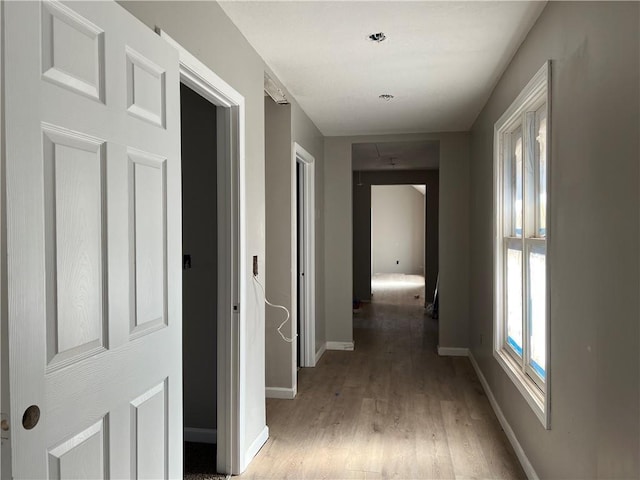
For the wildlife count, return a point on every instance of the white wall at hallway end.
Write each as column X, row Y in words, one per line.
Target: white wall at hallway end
column 397, row 229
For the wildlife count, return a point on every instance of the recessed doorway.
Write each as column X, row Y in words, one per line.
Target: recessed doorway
column 305, row 261
column 233, row 450
column 199, row 281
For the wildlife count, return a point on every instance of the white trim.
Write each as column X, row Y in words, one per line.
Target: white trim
column 255, row 446
column 232, row 444
column 349, row 346
column 528, row 98
column 5, row 448
column 200, row 435
column 320, row 352
column 520, row 453
column 523, row 383
column 308, row 325
column 453, row 352
column 278, row 392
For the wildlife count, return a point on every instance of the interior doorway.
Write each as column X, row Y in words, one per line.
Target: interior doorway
column 392, row 163
column 398, row 233
column 233, row 449
column 304, row 164
column 199, row 281
column 301, row 244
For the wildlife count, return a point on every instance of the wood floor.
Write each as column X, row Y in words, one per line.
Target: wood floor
column 390, row 409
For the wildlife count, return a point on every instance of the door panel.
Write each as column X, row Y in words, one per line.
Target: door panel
column 81, row 457
column 145, row 88
column 148, row 204
column 72, row 51
column 149, row 434
column 75, row 203
column 93, row 242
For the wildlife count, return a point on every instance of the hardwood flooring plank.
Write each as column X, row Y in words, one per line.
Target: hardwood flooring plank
column 391, row 409
column 367, row 443
column 433, row 457
column 464, row 446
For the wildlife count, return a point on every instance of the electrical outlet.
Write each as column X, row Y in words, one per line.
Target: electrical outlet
column 255, row 265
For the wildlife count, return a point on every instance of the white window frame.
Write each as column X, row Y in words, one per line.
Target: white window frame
column 536, row 392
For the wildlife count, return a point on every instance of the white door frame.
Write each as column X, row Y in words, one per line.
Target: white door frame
column 5, row 443
column 231, row 253
column 308, row 324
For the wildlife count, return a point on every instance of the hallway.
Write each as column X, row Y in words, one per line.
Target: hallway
column 390, row 409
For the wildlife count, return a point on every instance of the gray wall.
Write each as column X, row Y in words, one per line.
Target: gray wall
column 199, row 239
column 285, row 124
column 397, row 229
column 453, row 234
column 278, row 263
column 362, row 225
column 454, row 244
column 593, row 243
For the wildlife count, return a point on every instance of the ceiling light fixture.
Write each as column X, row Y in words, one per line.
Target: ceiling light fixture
column 386, row 97
column 377, row 37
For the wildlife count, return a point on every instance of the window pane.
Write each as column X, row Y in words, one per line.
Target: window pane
column 517, row 158
column 538, row 309
column 541, row 153
column 514, row 299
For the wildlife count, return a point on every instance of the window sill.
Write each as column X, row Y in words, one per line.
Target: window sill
column 529, row 390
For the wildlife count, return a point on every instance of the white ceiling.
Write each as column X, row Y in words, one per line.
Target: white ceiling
column 441, row 59
column 396, row 156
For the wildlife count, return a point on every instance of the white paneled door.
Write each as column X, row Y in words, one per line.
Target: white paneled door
column 93, row 243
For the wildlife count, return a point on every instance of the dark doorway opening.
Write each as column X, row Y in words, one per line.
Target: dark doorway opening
column 200, row 281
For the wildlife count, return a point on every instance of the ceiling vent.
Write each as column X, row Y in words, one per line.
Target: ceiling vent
column 274, row 91
column 377, row 37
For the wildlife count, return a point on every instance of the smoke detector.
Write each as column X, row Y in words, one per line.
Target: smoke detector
column 386, row 97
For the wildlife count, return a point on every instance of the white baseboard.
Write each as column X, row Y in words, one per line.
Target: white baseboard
column 254, row 448
column 520, row 453
column 349, row 346
column 320, row 352
column 453, row 352
column 200, row 435
column 277, row 392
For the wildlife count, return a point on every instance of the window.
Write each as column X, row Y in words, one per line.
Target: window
column 521, row 321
